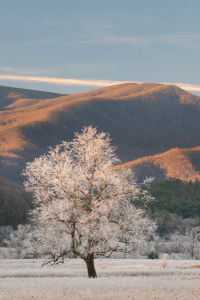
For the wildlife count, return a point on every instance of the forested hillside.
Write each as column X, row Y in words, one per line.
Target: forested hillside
column 176, row 205
column 15, row 204
column 142, row 120
column 177, row 197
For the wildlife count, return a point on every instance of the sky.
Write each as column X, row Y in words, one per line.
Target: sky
column 73, row 46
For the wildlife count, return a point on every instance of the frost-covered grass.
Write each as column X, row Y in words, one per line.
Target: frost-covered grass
column 117, row 279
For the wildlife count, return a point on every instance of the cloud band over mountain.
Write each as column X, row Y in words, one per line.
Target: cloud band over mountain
column 85, row 82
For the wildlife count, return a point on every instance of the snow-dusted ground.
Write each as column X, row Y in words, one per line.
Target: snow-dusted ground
column 117, row 279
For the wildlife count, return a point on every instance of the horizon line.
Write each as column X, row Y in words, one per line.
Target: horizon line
column 88, row 82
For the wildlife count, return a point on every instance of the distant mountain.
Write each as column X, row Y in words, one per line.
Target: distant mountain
column 8, row 95
column 142, row 119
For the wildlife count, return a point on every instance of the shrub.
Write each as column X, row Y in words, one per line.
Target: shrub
column 153, row 255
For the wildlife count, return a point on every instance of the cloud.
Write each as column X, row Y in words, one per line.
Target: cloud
column 182, row 40
column 188, row 86
column 19, row 71
column 60, row 81
column 187, row 41
column 112, row 39
column 22, row 45
column 7, row 69
column 185, row 86
column 87, row 82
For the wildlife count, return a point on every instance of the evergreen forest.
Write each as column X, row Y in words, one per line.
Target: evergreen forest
column 15, row 204
column 176, row 205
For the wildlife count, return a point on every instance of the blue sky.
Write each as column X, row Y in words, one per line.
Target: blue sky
column 73, row 46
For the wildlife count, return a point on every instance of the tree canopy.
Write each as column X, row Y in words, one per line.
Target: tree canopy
column 81, row 204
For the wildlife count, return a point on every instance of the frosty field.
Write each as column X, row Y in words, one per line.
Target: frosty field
column 117, row 279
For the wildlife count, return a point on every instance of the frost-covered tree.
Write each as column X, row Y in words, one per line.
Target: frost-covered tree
column 18, row 239
column 81, row 204
column 191, row 241
column 177, row 244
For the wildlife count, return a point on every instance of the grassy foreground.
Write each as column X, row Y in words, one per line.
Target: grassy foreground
column 117, row 279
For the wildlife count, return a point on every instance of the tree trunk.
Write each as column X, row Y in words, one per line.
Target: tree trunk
column 90, row 266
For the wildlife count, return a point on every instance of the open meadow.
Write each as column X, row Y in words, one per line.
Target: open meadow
column 117, row 279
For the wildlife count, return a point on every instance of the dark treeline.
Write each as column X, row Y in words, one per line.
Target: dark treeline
column 177, row 197
column 176, row 205
column 15, row 204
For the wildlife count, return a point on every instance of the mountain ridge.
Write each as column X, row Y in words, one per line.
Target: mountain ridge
column 142, row 120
